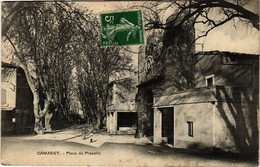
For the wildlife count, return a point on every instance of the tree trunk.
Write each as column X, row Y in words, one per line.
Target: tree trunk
column 98, row 124
column 38, row 113
column 99, row 121
column 11, row 17
column 38, row 128
column 48, row 117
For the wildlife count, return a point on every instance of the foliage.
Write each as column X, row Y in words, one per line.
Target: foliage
column 209, row 13
column 44, row 43
column 96, row 66
column 50, row 39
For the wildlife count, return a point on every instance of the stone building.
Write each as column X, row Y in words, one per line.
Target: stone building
column 16, row 101
column 197, row 100
column 121, row 116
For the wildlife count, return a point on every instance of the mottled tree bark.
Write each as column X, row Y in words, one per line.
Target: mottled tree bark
column 48, row 117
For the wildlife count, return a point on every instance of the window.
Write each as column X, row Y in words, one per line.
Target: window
column 210, row 80
column 3, row 96
column 190, row 129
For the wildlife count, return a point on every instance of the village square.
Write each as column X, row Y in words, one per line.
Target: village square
column 141, row 83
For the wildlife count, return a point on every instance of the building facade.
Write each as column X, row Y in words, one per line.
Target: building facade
column 121, row 116
column 16, row 101
column 197, row 100
column 220, row 112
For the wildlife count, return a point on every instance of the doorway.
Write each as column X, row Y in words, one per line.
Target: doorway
column 126, row 119
column 168, row 124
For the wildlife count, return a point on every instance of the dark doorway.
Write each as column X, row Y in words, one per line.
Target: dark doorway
column 168, row 124
column 126, row 119
column 149, row 111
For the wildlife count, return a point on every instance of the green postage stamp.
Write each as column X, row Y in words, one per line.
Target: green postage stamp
column 122, row 28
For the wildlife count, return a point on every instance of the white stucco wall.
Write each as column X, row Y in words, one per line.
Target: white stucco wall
column 9, row 84
column 201, row 114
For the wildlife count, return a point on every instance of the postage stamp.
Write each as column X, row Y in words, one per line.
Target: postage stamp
column 122, row 28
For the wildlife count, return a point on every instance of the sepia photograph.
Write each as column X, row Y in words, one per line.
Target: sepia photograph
column 130, row 83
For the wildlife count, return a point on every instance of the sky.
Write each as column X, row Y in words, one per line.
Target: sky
column 242, row 38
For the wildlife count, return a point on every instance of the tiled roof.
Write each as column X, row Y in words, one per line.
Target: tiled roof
column 226, row 53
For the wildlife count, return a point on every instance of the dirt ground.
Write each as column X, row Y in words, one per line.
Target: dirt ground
column 67, row 147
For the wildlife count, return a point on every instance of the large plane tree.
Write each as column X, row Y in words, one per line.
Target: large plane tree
column 42, row 35
column 210, row 13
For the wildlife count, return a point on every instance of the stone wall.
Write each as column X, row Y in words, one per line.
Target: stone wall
column 225, row 74
column 144, row 112
column 156, row 72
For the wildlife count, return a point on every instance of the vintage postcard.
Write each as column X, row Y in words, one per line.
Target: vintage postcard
column 130, row 83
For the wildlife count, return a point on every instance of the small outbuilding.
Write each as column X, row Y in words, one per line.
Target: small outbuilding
column 121, row 116
column 16, row 101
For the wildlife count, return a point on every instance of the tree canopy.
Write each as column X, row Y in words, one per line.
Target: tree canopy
column 210, row 13
column 49, row 41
